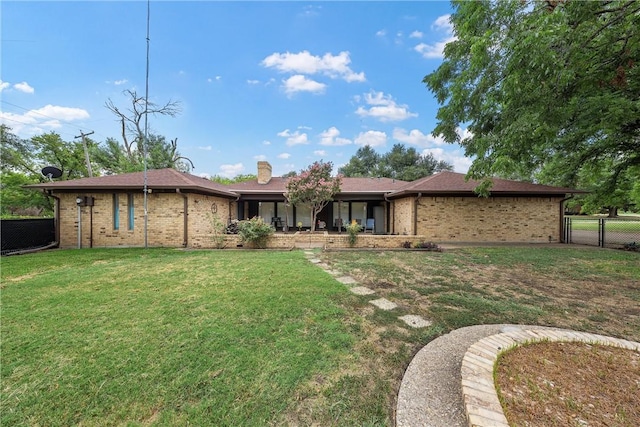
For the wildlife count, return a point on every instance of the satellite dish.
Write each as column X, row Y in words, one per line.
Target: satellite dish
column 51, row 172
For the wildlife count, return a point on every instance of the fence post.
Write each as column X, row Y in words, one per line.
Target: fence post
column 604, row 223
column 601, row 232
column 567, row 230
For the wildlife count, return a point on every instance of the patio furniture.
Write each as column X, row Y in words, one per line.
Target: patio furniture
column 370, row 225
column 276, row 221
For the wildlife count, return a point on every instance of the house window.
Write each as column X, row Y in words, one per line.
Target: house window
column 266, row 210
column 285, row 213
column 303, row 215
column 359, row 212
column 116, row 212
column 340, row 213
column 130, row 211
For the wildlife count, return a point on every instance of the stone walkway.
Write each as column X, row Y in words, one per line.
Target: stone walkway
column 449, row 383
column 413, row 321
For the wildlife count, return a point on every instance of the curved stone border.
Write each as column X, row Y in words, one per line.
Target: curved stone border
column 481, row 401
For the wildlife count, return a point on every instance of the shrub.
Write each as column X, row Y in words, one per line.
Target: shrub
column 633, row 246
column 255, row 231
column 353, row 229
column 406, row 245
column 219, row 229
column 428, row 246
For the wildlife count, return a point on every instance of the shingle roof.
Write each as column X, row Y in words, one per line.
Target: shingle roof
column 455, row 183
column 170, row 179
column 349, row 185
column 157, row 179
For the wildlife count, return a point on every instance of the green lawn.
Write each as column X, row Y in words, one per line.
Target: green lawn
column 623, row 226
column 226, row 338
column 112, row 337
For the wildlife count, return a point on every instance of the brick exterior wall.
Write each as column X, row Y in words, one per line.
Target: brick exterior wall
column 165, row 220
column 478, row 219
column 403, row 219
column 440, row 220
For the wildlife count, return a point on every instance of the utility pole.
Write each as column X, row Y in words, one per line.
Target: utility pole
column 86, row 151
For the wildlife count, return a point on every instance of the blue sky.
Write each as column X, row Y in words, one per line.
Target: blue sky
column 288, row 82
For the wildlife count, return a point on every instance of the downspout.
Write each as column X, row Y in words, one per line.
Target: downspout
column 185, row 230
column 91, row 225
column 230, row 202
column 562, row 230
column 415, row 215
column 56, row 215
column 393, row 214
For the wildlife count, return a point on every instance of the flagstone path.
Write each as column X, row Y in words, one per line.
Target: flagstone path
column 411, row 320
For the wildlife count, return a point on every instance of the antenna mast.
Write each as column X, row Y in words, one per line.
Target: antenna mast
column 146, row 131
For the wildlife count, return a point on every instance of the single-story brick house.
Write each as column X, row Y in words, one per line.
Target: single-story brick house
column 181, row 208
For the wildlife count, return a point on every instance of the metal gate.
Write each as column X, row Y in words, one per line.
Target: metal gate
column 602, row 232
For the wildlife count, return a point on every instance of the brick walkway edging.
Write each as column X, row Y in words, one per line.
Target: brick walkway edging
column 481, row 402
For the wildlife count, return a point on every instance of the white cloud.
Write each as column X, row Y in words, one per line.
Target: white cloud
column 416, row 35
column 435, row 50
column 372, row 138
column 320, row 153
column 331, row 137
column 460, row 163
column 204, row 175
column 284, row 155
column 381, row 33
column 300, row 83
column 443, row 23
column 384, row 108
column 464, row 133
column 4, row 85
column 253, row 82
column 120, row 82
column 23, row 87
column 295, row 138
column 260, row 157
column 265, row 142
column 334, row 66
column 60, row 113
column 205, row 148
column 42, row 119
column 416, row 137
column 230, row 171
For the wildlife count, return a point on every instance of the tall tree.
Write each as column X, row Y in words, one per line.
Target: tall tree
column 400, row 162
column 546, row 88
column 161, row 154
column 365, row 163
column 238, row 178
column 313, row 188
column 22, row 162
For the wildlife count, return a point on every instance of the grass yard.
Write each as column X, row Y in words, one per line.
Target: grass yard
column 170, row 337
column 621, row 226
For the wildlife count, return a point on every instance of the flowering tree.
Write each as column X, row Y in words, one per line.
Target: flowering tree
column 314, row 188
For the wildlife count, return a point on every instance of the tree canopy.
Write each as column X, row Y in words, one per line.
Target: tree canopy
column 129, row 156
column 314, row 188
column 549, row 90
column 402, row 163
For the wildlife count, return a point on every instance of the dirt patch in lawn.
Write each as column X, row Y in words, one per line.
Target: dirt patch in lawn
column 601, row 388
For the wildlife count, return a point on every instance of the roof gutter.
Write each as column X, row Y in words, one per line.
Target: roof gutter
column 185, row 230
column 230, row 202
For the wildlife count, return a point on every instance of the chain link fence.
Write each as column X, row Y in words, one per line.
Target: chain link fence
column 21, row 234
column 620, row 233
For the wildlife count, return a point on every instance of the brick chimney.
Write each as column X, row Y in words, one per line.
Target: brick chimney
column 264, row 172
